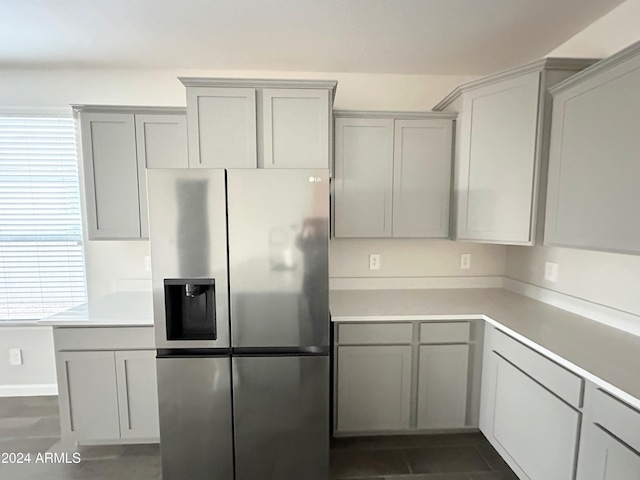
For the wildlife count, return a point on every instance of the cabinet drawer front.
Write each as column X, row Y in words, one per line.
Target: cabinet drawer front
column 560, row 381
column 450, row 332
column 618, row 418
column 99, row 338
column 374, row 333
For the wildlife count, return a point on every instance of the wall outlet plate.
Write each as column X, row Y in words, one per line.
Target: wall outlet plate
column 465, row 261
column 374, row 261
column 15, row 356
column 551, row 271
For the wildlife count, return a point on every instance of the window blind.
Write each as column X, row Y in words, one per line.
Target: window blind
column 41, row 253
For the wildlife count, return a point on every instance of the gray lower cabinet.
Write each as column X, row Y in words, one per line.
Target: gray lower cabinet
column 243, row 123
column 501, row 151
column 373, row 388
column 406, row 376
column 137, row 393
column 107, row 387
column 392, row 174
column 88, row 395
column 530, row 409
column 610, row 438
column 443, row 376
column 117, row 145
column 593, row 166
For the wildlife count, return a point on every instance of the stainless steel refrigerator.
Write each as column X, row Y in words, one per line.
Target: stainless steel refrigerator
column 241, row 309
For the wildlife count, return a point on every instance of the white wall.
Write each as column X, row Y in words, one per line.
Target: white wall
column 37, row 374
column 608, row 279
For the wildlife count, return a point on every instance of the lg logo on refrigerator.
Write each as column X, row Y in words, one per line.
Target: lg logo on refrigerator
column 315, row 179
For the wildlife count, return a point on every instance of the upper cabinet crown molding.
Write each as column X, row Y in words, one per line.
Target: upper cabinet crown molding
column 568, row 64
column 596, row 68
column 393, row 115
column 128, row 109
column 260, row 83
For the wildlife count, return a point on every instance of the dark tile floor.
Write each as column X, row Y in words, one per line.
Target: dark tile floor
column 31, row 425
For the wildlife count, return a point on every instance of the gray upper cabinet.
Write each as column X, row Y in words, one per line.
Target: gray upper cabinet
column 421, row 177
column 243, row 123
column 502, row 149
column 392, row 174
column 363, row 177
column 117, row 144
column 296, row 128
column 161, row 142
column 110, row 174
column 593, row 167
column 222, row 127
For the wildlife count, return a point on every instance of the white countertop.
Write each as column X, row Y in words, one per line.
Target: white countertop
column 607, row 356
column 119, row 309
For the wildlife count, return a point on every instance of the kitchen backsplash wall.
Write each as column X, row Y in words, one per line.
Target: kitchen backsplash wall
column 414, row 258
column 609, row 279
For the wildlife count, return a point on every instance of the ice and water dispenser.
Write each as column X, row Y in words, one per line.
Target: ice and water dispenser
column 190, row 307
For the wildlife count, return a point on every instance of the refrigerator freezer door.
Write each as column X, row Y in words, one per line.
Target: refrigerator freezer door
column 195, row 418
column 188, row 239
column 279, row 258
column 281, row 410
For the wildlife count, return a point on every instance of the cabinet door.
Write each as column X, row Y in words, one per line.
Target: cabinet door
column 374, row 385
column 161, row 142
column 88, row 396
column 138, row 394
column 442, row 386
column 592, row 199
column 498, row 161
column 363, row 177
column 111, row 175
column 536, row 429
column 421, row 178
column 612, row 459
column 296, row 128
column 221, row 126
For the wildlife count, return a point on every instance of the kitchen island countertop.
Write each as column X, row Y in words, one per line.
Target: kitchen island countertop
column 600, row 353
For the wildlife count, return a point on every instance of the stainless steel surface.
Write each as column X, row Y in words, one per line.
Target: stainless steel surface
column 195, row 418
column 281, row 417
column 188, row 239
column 278, row 257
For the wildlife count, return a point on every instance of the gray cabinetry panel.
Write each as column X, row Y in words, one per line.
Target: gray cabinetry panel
column 442, row 386
column 296, row 128
column 498, row 160
column 374, row 386
column 538, row 431
column 88, row 395
column 221, row 126
column 137, row 393
column 593, row 197
column 161, row 142
column 614, row 459
column 421, row 177
column 364, row 177
column 110, row 165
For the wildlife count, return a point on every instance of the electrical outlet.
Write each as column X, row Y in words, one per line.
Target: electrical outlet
column 15, row 356
column 374, row 261
column 147, row 263
column 465, row 261
column 551, row 271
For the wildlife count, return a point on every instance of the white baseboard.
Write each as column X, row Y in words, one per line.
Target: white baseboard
column 28, row 390
column 411, row 283
column 612, row 317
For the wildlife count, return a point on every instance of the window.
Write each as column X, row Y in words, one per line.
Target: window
column 41, row 253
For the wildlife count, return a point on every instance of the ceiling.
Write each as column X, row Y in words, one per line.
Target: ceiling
column 381, row 36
